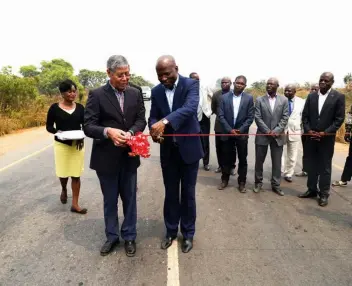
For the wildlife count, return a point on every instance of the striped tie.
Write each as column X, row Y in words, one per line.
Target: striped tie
column 121, row 99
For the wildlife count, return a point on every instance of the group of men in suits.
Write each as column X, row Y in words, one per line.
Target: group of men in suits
column 116, row 111
column 280, row 121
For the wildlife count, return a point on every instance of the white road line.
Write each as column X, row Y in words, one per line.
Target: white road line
column 173, row 275
column 25, row 158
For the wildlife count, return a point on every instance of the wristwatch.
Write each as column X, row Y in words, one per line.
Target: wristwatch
column 165, row 121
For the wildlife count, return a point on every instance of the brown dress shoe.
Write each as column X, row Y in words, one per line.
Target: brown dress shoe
column 223, row 185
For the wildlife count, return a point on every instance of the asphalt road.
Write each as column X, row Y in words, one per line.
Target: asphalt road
column 241, row 239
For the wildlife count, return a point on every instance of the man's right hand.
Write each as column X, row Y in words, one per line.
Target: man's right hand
column 235, row 131
column 314, row 135
column 118, row 136
column 157, row 139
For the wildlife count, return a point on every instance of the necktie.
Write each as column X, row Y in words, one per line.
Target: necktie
column 290, row 106
column 120, row 98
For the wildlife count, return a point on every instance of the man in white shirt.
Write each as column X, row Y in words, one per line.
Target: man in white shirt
column 292, row 131
column 204, row 113
column 323, row 115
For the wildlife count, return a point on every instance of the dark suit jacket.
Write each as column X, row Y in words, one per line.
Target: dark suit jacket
column 245, row 114
column 215, row 104
column 182, row 119
column 332, row 114
column 103, row 110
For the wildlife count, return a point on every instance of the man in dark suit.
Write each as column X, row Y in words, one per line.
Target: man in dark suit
column 174, row 104
column 304, row 139
column 323, row 115
column 113, row 114
column 215, row 104
column 236, row 114
column 271, row 117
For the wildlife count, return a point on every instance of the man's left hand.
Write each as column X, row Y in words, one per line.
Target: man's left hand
column 157, row 129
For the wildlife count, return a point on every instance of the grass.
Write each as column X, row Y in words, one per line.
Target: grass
column 30, row 114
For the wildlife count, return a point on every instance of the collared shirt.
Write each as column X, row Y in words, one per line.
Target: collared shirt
column 322, row 98
column 170, row 93
column 204, row 105
column 272, row 101
column 121, row 99
column 236, row 106
column 120, row 96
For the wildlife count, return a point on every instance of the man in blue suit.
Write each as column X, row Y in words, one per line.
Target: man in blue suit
column 236, row 114
column 174, row 104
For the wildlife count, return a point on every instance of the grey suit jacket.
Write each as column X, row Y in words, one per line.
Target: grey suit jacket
column 268, row 120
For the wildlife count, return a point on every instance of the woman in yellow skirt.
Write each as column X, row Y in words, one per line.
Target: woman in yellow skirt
column 68, row 115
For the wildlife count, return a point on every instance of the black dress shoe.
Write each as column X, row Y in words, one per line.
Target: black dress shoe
column 218, row 170
column 242, row 188
column 130, row 248
column 167, row 241
column 278, row 191
column 223, row 185
column 206, row 167
column 108, row 247
column 187, row 245
column 323, row 201
column 308, row 194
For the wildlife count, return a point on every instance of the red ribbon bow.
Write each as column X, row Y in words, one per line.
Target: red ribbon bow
column 139, row 145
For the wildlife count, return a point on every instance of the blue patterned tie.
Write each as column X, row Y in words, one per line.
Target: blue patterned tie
column 290, row 106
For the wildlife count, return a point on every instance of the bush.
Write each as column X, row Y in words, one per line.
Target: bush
column 16, row 92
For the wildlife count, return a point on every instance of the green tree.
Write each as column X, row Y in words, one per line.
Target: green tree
column 348, row 78
column 53, row 73
column 259, row 85
column 138, row 80
column 29, row 71
column 91, row 79
column 6, row 70
column 16, row 92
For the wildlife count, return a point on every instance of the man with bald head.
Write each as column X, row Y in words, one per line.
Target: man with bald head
column 174, row 105
column 323, row 115
column 292, row 131
column 271, row 117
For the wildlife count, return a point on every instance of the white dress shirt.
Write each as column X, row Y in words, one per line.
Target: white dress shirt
column 272, row 101
column 322, row 98
column 203, row 106
column 170, row 94
column 236, row 100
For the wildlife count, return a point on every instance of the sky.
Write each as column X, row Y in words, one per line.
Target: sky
column 293, row 40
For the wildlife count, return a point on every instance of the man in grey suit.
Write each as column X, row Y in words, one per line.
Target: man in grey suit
column 271, row 117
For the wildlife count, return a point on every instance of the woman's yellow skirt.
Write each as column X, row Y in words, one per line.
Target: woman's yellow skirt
column 69, row 162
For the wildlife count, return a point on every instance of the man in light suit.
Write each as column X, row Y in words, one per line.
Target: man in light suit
column 236, row 114
column 304, row 139
column 293, row 131
column 113, row 114
column 271, row 117
column 323, row 115
column 204, row 113
column 174, row 105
